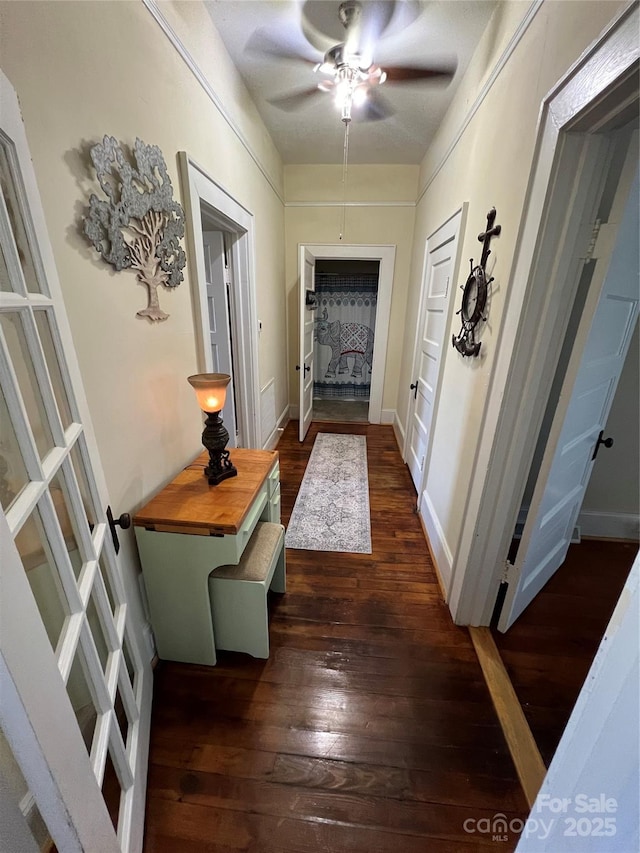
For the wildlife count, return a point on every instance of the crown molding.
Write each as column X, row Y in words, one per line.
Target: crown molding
column 154, row 8
column 350, row 204
column 515, row 39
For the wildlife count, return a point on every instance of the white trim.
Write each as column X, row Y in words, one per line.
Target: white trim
column 192, row 65
column 386, row 255
column 398, row 430
column 149, row 643
column 439, row 547
column 609, row 525
column 272, row 442
column 387, row 416
column 530, row 14
column 527, row 352
column 198, row 188
column 350, row 204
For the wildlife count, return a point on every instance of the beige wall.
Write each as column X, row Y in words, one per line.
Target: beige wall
column 370, row 224
column 488, row 166
column 85, row 69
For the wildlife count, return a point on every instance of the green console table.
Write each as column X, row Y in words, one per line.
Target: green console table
column 190, row 528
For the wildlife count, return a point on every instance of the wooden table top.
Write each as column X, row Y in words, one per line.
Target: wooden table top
column 190, row 505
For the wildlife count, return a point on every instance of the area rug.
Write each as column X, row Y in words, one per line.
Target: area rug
column 331, row 512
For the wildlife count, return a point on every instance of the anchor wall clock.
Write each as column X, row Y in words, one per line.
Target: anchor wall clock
column 474, row 293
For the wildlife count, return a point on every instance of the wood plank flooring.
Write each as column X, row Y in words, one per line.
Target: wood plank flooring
column 549, row 650
column 369, row 729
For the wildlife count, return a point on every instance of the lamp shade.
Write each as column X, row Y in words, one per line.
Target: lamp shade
column 211, row 390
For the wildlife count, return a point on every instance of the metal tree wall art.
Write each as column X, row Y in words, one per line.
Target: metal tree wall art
column 140, row 225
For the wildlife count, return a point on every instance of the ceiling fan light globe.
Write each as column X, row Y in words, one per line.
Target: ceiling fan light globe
column 360, row 96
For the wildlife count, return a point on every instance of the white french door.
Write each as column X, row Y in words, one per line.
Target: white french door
column 307, row 318
column 75, row 692
column 441, row 256
column 602, row 341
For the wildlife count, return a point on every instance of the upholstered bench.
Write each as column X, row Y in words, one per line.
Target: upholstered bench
column 239, row 593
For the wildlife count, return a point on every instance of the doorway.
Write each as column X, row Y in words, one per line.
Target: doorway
column 232, row 325
column 346, row 302
column 572, row 153
column 221, row 313
column 599, row 332
column 310, row 256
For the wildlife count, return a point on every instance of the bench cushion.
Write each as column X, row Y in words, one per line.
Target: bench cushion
column 258, row 556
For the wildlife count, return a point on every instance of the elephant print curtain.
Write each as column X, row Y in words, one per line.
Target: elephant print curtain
column 344, row 331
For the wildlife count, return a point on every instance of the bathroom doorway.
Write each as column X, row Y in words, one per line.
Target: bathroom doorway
column 346, row 309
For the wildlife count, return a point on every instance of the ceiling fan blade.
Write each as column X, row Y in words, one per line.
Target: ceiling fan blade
column 410, row 74
column 375, row 108
column 296, row 100
column 263, row 43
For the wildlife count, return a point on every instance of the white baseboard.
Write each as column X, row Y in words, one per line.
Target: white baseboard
column 597, row 525
column 609, row 525
column 440, row 550
column 272, row 442
column 149, row 650
column 387, row 416
column 399, row 431
column 294, row 412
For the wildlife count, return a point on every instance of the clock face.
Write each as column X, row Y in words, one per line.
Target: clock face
column 474, row 298
column 470, row 298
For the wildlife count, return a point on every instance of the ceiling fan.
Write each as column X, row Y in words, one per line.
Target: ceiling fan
column 347, row 70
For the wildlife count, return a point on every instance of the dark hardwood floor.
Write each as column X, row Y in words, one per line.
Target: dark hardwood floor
column 550, row 648
column 369, row 729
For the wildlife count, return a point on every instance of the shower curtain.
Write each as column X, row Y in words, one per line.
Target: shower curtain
column 345, row 323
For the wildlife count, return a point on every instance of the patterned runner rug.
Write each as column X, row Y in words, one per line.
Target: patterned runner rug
column 331, row 512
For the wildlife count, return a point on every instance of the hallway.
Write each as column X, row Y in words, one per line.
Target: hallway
column 369, row 729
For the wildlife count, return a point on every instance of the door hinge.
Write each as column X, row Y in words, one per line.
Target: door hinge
column 592, row 241
column 602, row 240
column 507, row 572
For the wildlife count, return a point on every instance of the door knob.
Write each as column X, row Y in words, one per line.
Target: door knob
column 124, row 521
column 608, row 442
column 414, row 388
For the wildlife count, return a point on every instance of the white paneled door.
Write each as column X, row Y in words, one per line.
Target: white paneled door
column 75, row 692
column 305, row 366
column 439, row 267
column 601, row 346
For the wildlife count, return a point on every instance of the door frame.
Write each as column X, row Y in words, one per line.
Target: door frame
column 386, row 255
column 569, row 162
column 462, row 212
column 199, row 189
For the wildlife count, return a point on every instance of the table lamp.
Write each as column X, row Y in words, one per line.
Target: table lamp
column 211, row 391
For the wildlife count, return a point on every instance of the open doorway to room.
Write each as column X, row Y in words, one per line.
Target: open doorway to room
column 220, row 234
column 579, row 521
column 346, row 303
column 220, row 313
column 310, row 318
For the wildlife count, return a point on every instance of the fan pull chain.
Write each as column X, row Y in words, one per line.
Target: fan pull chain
column 345, row 174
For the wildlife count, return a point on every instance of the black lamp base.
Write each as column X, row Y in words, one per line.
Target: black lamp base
column 214, row 439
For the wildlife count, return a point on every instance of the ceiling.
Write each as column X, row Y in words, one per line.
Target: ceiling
column 418, row 32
